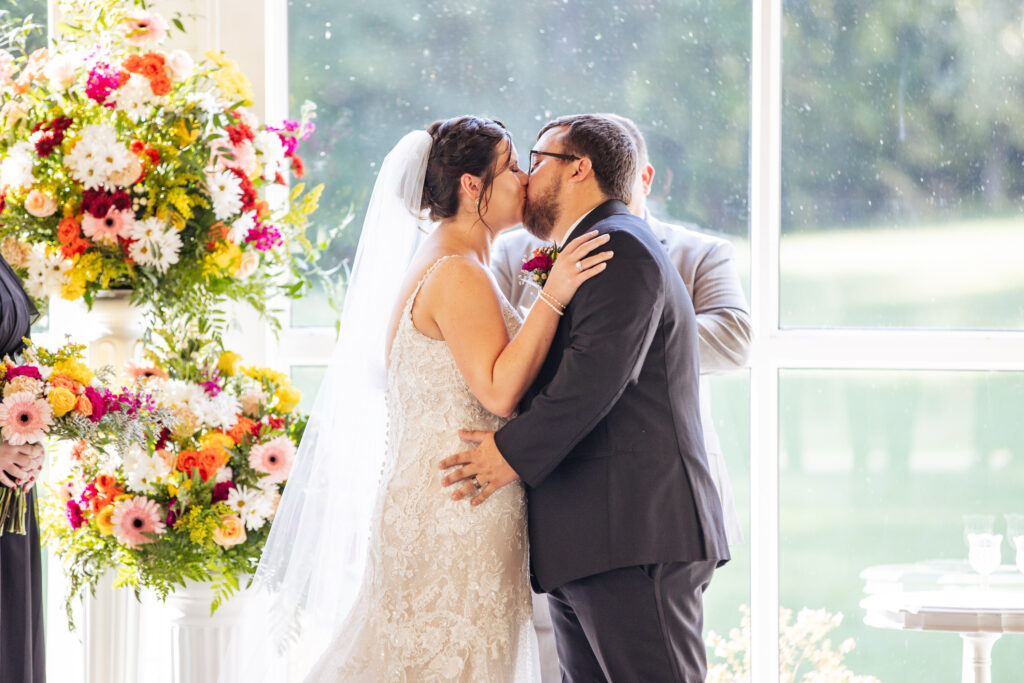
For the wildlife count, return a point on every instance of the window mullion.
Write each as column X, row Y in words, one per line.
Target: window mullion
column 765, row 202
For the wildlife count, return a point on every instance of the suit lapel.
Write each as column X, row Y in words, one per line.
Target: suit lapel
column 598, row 213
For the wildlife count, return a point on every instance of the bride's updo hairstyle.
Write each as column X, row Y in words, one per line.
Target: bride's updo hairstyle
column 466, row 144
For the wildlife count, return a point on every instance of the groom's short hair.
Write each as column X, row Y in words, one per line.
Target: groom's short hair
column 610, row 148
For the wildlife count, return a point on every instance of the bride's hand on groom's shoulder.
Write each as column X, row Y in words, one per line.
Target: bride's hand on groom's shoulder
column 574, row 265
column 482, row 470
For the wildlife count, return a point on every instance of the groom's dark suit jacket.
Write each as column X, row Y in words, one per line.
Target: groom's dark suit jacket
column 608, row 440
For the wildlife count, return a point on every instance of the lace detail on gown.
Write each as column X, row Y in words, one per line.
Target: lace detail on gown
column 445, row 596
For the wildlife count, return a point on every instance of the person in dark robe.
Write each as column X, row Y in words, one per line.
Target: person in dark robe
column 22, row 658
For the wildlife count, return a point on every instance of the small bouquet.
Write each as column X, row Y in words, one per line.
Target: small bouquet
column 537, row 265
column 125, row 166
column 56, row 396
column 197, row 502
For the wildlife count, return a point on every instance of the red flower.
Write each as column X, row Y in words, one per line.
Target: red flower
column 298, row 168
column 249, row 195
column 23, row 371
column 221, row 491
column 541, row 262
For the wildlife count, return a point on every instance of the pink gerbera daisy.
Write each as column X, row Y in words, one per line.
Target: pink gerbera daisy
column 107, row 229
column 141, row 27
column 273, row 458
column 24, row 418
column 134, row 518
column 139, row 372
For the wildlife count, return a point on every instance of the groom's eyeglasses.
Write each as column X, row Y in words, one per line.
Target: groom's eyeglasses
column 563, row 157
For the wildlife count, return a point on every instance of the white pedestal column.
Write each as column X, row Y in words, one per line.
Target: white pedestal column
column 200, row 640
column 110, row 634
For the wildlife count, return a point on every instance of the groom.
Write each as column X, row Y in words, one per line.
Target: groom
column 625, row 523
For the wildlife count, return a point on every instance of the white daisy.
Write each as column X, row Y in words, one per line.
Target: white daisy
column 96, row 156
column 221, row 411
column 16, row 169
column 226, row 193
column 143, row 470
column 156, row 244
column 136, row 97
column 268, row 144
column 252, row 505
column 47, row 273
column 241, row 226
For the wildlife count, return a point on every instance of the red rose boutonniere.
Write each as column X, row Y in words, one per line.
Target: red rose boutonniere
column 537, row 265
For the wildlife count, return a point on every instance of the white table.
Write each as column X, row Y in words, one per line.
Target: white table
column 944, row 595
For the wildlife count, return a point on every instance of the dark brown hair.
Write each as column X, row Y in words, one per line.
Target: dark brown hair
column 608, row 145
column 467, row 144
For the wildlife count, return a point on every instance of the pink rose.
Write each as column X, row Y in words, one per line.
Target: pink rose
column 180, row 63
column 39, row 204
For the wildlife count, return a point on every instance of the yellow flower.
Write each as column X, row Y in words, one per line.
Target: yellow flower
column 288, row 398
column 104, row 520
column 216, row 439
column 172, row 488
column 185, row 135
column 261, row 374
column 228, row 363
column 62, row 401
column 75, row 370
column 228, row 256
column 231, row 81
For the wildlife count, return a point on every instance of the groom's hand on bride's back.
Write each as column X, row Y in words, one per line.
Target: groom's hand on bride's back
column 482, row 471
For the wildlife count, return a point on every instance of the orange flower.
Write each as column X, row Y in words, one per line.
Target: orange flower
column 211, row 459
column 133, row 64
column 160, row 85
column 68, row 231
column 63, row 382
column 107, row 483
column 188, row 461
column 83, row 406
column 152, row 67
column 244, row 427
column 78, row 449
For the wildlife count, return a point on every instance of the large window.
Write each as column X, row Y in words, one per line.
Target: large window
column 680, row 70
column 883, row 148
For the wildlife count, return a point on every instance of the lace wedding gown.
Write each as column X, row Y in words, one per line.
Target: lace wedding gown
column 445, row 596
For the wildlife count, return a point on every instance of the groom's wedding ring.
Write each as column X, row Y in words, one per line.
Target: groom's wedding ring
column 476, row 483
column 579, row 266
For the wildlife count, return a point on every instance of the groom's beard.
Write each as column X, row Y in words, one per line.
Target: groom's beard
column 541, row 214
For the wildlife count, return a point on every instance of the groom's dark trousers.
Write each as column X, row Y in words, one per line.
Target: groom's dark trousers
column 625, row 523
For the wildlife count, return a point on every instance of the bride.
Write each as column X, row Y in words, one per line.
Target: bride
column 437, row 590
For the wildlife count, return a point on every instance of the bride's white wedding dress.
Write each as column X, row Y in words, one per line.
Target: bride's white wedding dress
column 445, row 595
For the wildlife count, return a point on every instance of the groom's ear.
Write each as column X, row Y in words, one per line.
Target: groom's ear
column 582, row 169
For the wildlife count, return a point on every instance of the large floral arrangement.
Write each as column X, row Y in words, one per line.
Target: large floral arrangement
column 198, row 502
column 55, row 396
column 126, row 166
